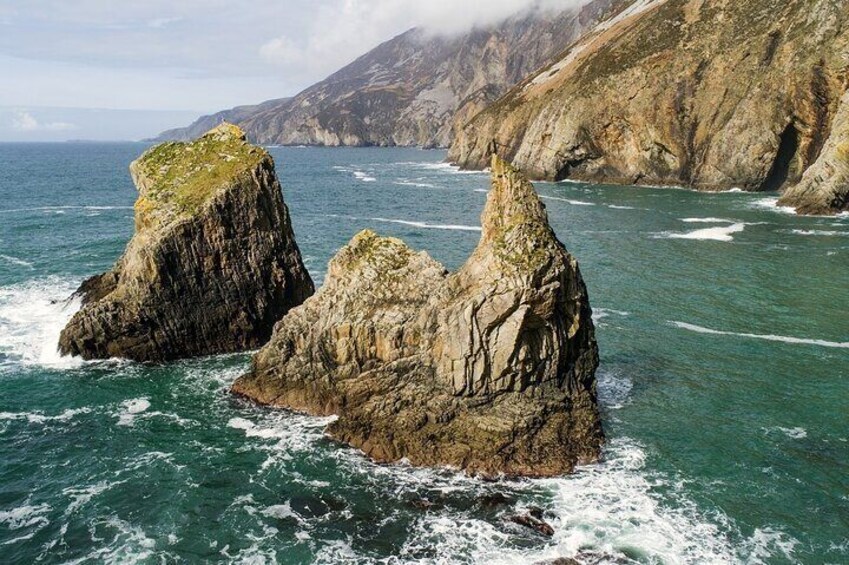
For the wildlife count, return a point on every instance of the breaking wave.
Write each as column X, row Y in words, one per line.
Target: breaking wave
column 32, row 315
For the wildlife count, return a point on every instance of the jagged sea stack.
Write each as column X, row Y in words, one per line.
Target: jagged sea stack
column 491, row 369
column 213, row 263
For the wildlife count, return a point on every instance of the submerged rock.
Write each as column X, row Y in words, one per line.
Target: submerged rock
column 534, row 521
column 213, row 263
column 491, row 369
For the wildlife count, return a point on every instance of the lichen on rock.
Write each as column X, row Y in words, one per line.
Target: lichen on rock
column 213, row 263
column 490, row 369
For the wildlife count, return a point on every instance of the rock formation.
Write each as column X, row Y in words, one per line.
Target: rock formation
column 408, row 90
column 490, row 369
column 213, row 263
column 710, row 95
column 824, row 188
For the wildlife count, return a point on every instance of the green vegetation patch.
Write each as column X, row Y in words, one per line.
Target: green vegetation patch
column 180, row 177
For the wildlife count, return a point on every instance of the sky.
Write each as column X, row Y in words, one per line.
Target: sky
column 165, row 59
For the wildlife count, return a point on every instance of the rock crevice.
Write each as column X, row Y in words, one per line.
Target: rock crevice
column 490, row 369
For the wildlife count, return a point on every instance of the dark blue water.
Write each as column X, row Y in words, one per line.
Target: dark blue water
column 725, row 385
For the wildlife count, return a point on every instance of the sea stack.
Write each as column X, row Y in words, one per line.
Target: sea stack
column 213, row 263
column 490, row 370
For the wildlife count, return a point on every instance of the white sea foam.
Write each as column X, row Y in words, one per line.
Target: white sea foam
column 63, row 208
column 16, row 261
column 25, row 516
column 792, row 433
column 124, row 543
column 568, row 201
column 443, row 168
column 708, row 221
column 766, row 337
column 281, row 512
column 364, row 177
column 417, row 184
column 425, row 225
column 714, row 234
column 601, row 314
column 620, row 207
column 609, row 508
column 772, row 205
column 822, row 233
column 132, row 408
column 615, row 507
column 614, row 390
column 40, row 418
column 80, row 496
column 32, row 316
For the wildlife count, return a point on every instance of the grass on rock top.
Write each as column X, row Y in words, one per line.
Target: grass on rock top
column 182, row 176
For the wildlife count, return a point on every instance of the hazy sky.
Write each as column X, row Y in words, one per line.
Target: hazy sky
column 198, row 55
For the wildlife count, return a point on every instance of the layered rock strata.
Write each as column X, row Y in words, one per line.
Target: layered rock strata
column 213, row 263
column 490, row 369
column 710, row 95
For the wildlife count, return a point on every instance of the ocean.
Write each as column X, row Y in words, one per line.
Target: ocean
column 723, row 325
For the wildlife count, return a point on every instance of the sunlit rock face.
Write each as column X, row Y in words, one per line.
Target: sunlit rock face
column 213, row 263
column 490, row 369
column 704, row 94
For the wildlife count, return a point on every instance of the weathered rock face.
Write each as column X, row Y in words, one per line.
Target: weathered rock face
column 824, row 188
column 213, row 263
column 710, row 95
column 408, row 90
column 491, row 369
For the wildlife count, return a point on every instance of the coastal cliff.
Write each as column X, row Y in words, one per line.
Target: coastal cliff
column 709, row 95
column 408, row 90
column 490, row 369
column 213, row 263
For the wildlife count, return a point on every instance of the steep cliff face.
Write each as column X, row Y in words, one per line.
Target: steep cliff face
column 408, row 90
column 213, row 263
column 824, row 188
column 710, row 95
column 491, row 369
column 206, row 123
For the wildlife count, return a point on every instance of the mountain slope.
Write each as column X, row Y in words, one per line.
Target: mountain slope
column 206, row 123
column 408, row 90
column 706, row 94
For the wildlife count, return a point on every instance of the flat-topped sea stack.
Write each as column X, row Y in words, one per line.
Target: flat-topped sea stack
column 213, row 263
column 490, row 369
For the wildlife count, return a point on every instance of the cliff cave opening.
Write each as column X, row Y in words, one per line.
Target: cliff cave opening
column 785, row 158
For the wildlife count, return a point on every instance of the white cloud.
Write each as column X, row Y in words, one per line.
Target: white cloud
column 205, row 54
column 341, row 30
column 159, row 23
column 24, row 121
column 282, row 50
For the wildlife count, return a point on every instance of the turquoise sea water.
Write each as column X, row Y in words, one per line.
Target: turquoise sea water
column 724, row 333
